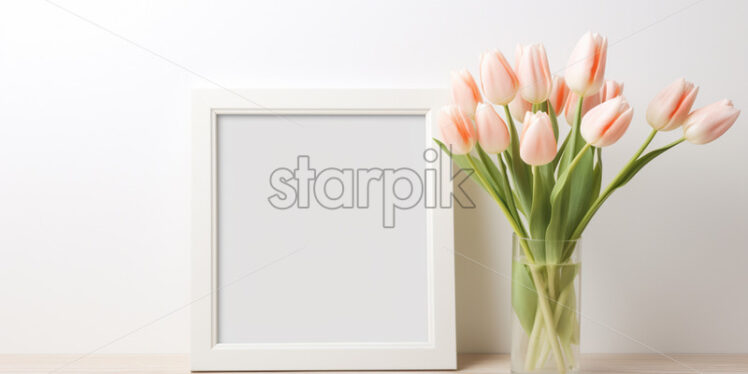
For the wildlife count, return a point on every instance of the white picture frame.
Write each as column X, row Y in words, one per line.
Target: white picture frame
column 208, row 352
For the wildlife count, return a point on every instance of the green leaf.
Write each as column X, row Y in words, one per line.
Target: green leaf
column 556, row 232
column 567, row 326
column 492, row 171
column 521, row 174
column 597, row 174
column 624, row 177
column 519, row 206
column 482, row 171
column 569, row 200
column 597, row 178
column 539, row 213
column 581, row 185
column 575, row 140
column 563, row 180
column 566, row 275
column 572, row 193
column 560, row 152
column 524, row 296
column 462, row 162
column 508, row 161
column 505, row 190
column 442, row 146
column 642, row 161
column 554, row 121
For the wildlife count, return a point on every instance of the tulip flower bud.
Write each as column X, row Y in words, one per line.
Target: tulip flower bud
column 518, row 107
column 533, row 73
column 465, row 92
column 537, row 145
column 570, row 109
column 497, row 78
column 559, row 93
column 493, row 135
column 458, row 133
column 585, row 70
column 669, row 109
column 604, row 124
column 610, row 90
column 710, row 122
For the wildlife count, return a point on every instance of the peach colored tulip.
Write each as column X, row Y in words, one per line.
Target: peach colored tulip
column 518, row 107
column 465, row 92
column 493, row 135
column 458, row 133
column 570, row 109
column 610, row 90
column 537, row 145
column 497, row 78
column 604, row 124
column 533, row 73
column 559, row 93
column 585, row 70
column 669, row 109
column 710, row 122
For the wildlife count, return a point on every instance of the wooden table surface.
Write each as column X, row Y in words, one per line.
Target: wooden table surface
column 468, row 363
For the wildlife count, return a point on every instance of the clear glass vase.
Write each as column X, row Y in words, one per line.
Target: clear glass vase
column 545, row 305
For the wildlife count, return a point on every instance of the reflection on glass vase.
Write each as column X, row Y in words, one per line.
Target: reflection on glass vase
column 545, row 304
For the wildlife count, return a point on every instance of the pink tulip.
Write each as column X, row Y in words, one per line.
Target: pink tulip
column 669, row 109
column 710, row 122
column 604, row 124
column 458, row 133
column 570, row 108
column 537, row 145
column 497, row 78
column 493, row 135
column 533, row 73
column 585, row 70
column 465, row 92
column 610, row 90
column 518, row 107
column 559, row 93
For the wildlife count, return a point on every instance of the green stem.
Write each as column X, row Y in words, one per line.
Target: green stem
column 554, row 118
column 644, row 146
column 503, row 207
column 570, row 354
column 557, row 313
column 545, row 349
column 673, row 144
column 522, row 182
column 570, row 149
column 489, row 189
column 612, row 186
column 532, row 342
column 537, row 279
column 550, row 271
column 511, row 204
column 550, row 326
column 509, row 120
column 578, row 114
column 577, row 158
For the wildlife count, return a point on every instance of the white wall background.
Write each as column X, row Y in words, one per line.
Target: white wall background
column 94, row 159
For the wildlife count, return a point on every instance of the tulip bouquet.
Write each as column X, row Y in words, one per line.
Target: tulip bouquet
column 549, row 193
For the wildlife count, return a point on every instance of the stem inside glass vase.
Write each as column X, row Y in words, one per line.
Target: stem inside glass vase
column 545, row 302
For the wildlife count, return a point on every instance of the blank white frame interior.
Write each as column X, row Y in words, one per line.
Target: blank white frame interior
column 317, row 287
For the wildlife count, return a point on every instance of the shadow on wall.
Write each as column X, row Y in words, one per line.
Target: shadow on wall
column 482, row 270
